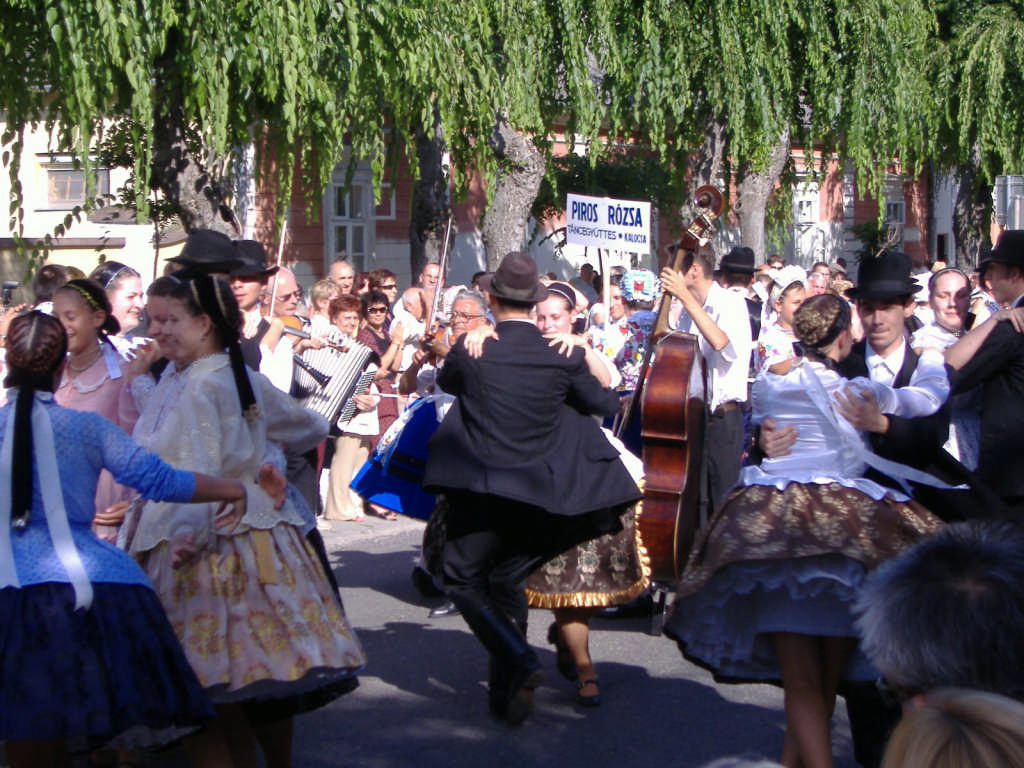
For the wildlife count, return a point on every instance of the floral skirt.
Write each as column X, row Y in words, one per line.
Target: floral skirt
column 112, row 674
column 257, row 618
column 784, row 561
column 608, row 570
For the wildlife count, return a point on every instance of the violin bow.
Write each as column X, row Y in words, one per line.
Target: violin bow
column 280, row 252
column 442, row 270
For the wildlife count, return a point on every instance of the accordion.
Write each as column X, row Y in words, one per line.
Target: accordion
column 326, row 379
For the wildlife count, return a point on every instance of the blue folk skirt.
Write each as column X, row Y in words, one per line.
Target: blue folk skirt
column 113, row 674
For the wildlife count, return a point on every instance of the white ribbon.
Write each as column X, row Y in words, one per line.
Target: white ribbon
column 53, row 506
column 112, row 359
column 852, row 440
column 8, row 573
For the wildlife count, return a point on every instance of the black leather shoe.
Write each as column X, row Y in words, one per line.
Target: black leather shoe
column 447, row 608
column 424, row 583
column 522, row 685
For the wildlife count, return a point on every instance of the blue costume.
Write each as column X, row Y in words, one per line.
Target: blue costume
column 86, row 651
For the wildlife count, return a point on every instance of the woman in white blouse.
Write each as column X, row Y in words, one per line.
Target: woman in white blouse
column 767, row 593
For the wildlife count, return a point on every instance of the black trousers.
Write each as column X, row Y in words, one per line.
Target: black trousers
column 492, row 546
column 723, row 447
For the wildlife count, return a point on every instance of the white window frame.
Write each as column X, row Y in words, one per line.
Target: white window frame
column 385, row 209
column 333, row 219
column 64, row 164
column 895, row 212
column 806, row 200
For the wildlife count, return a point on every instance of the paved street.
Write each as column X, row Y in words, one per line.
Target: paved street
column 422, row 700
column 422, row 703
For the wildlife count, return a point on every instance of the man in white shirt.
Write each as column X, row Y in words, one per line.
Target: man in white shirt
column 719, row 320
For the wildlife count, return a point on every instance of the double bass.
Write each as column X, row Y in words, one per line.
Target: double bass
column 671, row 394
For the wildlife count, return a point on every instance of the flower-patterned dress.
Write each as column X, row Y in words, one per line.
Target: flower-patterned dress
column 630, row 358
column 254, row 611
column 789, row 548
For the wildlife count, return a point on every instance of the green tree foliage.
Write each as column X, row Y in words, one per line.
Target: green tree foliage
column 169, row 67
column 870, row 80
column 845, row 76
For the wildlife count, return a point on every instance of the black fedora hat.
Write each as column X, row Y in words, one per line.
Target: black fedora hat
column 207, row 250
column 515, row 280
column 739, row 259
column 885, row 277
column 1009, row 248
column 253, row 258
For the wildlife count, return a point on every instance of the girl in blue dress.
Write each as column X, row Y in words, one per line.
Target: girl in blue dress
column 87, row 656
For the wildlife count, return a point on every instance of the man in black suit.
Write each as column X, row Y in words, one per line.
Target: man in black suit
column 885, row 302
column 992, row 355
column 525, row 472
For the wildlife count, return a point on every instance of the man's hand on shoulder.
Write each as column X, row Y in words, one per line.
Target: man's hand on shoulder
column 860, row 408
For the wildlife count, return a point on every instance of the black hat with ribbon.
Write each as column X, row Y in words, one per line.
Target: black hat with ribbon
column 515, row 280
column 253, row 258
column 208, row 251
column 885, row 277
column 1009, row 248
column 739, row 259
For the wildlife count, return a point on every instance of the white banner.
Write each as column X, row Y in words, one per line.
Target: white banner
column 601, row 222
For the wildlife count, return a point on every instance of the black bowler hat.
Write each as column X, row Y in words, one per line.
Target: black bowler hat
column 515, row 280
column 208, row 251
column 739, row 259
column 253, row 258
column 884, row 277
column 1009, row 248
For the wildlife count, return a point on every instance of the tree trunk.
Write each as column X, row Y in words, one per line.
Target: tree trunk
column 752, row 193
column 521, row 170
column 706, row 163
column 969, row 217
column 200, row 201
column 431, row 203
column 198, row 197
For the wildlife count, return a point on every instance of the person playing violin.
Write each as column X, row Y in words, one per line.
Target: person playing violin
column 248, row 282
column 469, row 312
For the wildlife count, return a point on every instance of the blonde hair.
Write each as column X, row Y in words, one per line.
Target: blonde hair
column 322, row 290
column 959, row 728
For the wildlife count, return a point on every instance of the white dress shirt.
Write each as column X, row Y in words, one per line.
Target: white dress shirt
column 885, row 369
column 727, row 367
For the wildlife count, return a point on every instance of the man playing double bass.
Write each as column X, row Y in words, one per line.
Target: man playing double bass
column 718, row 318
column 526, row 476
